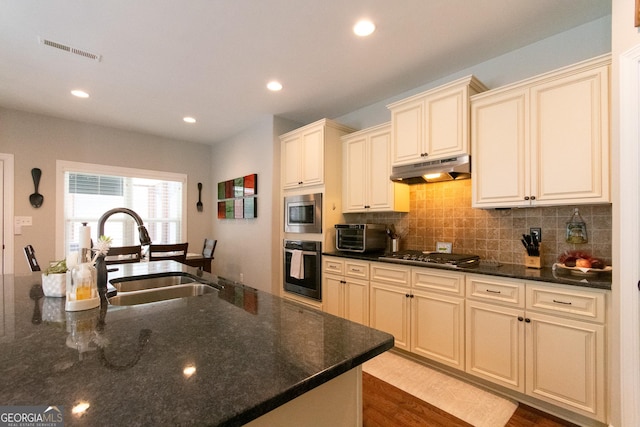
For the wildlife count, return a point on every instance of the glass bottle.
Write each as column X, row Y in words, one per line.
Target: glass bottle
column 576, row 229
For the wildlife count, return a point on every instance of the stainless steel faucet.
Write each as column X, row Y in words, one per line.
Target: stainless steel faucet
column 100, row 262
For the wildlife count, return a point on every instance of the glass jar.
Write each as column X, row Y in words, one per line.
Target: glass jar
column 576, row 229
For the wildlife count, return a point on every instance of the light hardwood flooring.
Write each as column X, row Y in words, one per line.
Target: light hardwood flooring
column 385, row 405
column 396, row 391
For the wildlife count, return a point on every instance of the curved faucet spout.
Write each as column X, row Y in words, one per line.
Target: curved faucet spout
column 142, row 231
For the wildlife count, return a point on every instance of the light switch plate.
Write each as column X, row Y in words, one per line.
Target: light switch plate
column 444, row 247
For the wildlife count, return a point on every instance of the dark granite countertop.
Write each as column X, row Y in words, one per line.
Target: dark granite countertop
column 249, row 351
column 514, row 271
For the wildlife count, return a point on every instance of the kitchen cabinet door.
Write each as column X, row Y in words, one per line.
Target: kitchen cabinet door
column 434, row 124
column 356, row 301
column 408, row 132
column 303, row 158
column 366, row 169
column 291, row 155
column 565, row 363
column 390, row 312
column 354, row 176
column 544, row 141
column 343, row 296
column 447, row 123
column 437, row 327
column 500, row 144
column 304, row 152
column 570, row 138
column 495, row 344
column 332, row 295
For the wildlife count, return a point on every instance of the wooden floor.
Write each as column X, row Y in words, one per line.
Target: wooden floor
column 387, row 406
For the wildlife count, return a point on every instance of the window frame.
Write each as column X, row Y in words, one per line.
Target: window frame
column 63, row 166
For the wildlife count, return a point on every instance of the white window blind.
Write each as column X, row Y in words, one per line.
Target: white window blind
column 91, row 190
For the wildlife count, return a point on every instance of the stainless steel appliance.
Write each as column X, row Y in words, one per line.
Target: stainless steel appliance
column 303, row 213
column 413, row 257
column 457, row 168
column 361, row 237
column 302, row 268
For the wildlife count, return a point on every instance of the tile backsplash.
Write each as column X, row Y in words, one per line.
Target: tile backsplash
column 441, row 212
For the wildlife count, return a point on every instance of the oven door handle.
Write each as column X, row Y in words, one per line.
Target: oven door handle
column 303, row 252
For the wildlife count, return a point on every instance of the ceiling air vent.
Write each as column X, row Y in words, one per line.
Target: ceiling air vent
column 70, row 49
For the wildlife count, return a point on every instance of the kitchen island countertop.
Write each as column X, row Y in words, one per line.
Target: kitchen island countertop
column 223, row 358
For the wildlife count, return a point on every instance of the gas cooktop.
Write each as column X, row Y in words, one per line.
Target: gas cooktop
column 412, row 257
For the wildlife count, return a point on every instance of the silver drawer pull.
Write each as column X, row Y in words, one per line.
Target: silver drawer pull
column 561, row 302
column 491, row 291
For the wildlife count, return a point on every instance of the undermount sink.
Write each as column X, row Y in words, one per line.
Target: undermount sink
column 152, row 282
column 155, row 294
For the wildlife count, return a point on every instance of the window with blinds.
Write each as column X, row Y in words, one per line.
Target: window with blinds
column 90, row 191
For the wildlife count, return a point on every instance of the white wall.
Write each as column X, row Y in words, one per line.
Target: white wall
column 38, row 141
column 580, row 43
column 251, row 247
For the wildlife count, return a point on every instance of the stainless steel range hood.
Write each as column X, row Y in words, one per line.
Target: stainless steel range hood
column 457, row 168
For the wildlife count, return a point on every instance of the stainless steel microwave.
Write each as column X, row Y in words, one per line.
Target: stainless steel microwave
column 303, row 213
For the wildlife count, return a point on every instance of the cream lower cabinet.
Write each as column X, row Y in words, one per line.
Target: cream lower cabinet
column 345, row 288
column 422, row 308
column 546, row 341
column 437, row 316
column 390, row 301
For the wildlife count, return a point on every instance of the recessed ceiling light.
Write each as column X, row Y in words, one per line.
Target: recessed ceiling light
column 364, row 28
column 274, row 86
column 79, row 93
column 189, row 119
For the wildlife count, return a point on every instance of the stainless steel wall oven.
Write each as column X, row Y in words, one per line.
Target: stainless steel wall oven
column 302, row 268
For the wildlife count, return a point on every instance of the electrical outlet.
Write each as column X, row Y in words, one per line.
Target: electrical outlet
column 536, row 231
column 444, row 247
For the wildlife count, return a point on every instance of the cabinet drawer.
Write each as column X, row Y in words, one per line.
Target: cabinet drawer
column 391, row 274
column 506, row 292
column 575, row 303
column 333, row 265
column 357, row 269
column 434, row 280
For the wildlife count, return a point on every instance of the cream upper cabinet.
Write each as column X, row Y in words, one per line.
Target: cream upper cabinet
column 544, row 141
column 366, row 187
column 433, row 124
column 309, row 151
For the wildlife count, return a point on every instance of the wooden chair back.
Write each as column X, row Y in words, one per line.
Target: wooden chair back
column 124, row 254
column 176, row 252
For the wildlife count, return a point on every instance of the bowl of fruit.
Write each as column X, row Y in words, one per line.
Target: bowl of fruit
column 581, row 263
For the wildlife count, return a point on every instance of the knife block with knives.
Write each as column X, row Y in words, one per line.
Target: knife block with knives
column 533, row 257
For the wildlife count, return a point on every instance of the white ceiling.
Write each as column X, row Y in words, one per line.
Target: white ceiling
column 211, row 59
